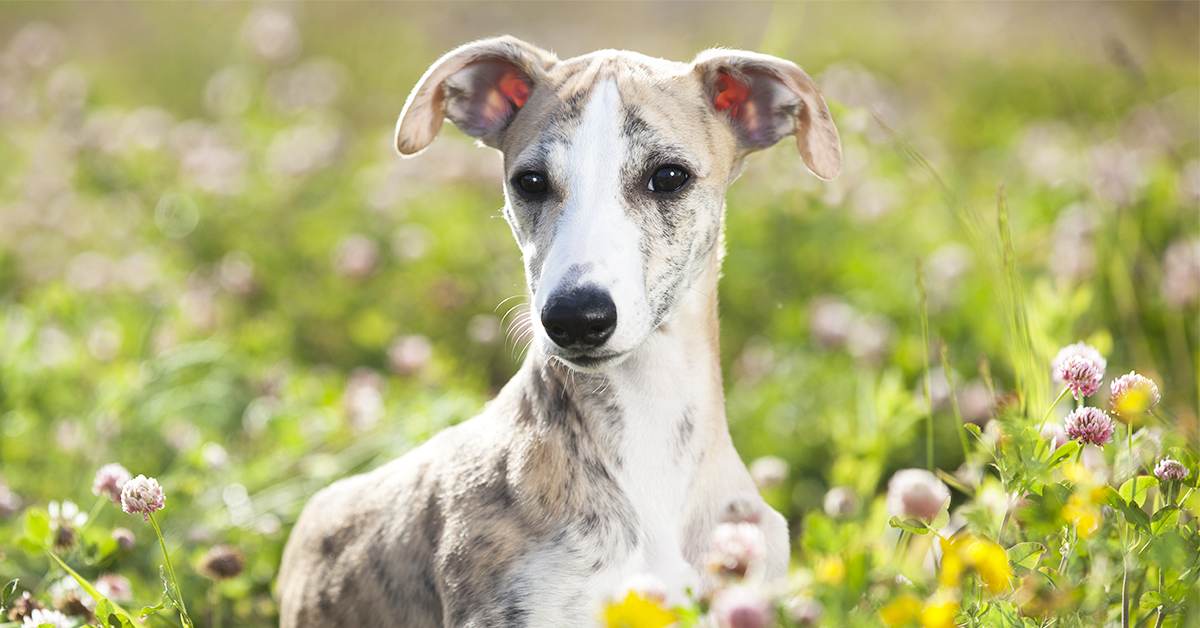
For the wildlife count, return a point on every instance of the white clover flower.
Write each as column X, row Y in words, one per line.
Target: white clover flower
column 109, row 481
column 142, row 495
column 768, row 471
column 41, row 616
column 114, row 587
column 916, row 494
column 742, row 606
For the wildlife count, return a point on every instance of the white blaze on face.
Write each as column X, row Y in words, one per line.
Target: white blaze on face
column 593, row 232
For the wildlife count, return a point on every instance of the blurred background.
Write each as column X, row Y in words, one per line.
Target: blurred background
column 215, row 270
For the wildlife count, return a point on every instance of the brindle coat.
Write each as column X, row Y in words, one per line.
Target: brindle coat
column 587, row 467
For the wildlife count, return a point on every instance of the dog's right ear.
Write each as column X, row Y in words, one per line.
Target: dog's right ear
column 480, row 86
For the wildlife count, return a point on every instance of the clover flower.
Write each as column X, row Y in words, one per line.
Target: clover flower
column 1081, row 375
column 1132, row 396
column 142, row 495
column 1080, row 349
column 768, row 471
column 1090, row 426
column 124, row 537
column 222, row 562
column 1170, row 470
column 916, row 494
column 23, row 607
column 742, row 607
column 109, row 481
column 736, row 548
column 114, row 587
column 840, row 501
column 42, row 616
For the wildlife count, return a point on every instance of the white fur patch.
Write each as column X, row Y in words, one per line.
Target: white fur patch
column 593, row 230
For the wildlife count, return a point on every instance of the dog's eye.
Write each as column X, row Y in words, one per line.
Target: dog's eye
column 532, row 182
column 668, row 179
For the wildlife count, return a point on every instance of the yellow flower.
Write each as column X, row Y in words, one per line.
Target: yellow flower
column 830, row 570
column 952, row 569
column 991, row 561
column 637, row 612
column 987, row 558
column 939, row 612
column 901, row 611
column 1077, row 474
column 1083, row 515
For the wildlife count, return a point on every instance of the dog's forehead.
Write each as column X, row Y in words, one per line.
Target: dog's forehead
column 665, row 95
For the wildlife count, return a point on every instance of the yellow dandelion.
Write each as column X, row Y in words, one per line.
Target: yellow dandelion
column 636, row 611
column 903, row 610
column 830, row 570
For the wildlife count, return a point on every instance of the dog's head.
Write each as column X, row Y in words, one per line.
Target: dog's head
column 616, row 166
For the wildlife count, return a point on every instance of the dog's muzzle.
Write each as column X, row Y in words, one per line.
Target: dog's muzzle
column 580, row 318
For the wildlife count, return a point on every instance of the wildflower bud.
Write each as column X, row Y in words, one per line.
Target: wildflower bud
column 142, row 495
column 1090, row 426
column 736, row 548
column 768, row 471
column 916, row 494
column 109, row 481
column 742, row 607
column 64, row 536
column 840, row 501
column 1170, row 470
column 114, row 587
column 222, row 562
column 1080, row 349
column 1081, row 375
column 124, row 537
column 1132, row 396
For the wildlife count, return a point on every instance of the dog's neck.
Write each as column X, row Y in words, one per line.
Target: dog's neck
column 639, row 430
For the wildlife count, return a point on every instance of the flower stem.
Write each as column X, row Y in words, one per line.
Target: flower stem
column 1062, row 394
column 187, row 620
column 92, row 514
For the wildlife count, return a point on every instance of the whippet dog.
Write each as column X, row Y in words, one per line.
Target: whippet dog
column 608, row 454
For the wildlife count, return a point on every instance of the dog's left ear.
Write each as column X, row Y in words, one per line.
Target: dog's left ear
column 479, row 86
column 768, row 99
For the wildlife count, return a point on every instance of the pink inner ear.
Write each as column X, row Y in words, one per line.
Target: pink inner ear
column 731, row 95
column 514, row 87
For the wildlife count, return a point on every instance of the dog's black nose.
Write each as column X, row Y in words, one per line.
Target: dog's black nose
column 583, row 316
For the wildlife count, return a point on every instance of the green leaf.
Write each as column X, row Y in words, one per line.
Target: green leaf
column 974, row 430
column 916, row 526
column 1135, row 489
column 1165, row 519
column 37, row 526
column 10, row 590
column 1151, row 600
column 147, row 610
column 1064, row 453
column 1026, row 555
column 104, row 608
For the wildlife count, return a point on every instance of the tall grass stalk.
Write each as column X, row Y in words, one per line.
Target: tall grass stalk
column 962, row 430
column 928, row 379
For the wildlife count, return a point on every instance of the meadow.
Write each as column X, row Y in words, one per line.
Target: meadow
column 216, row 272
